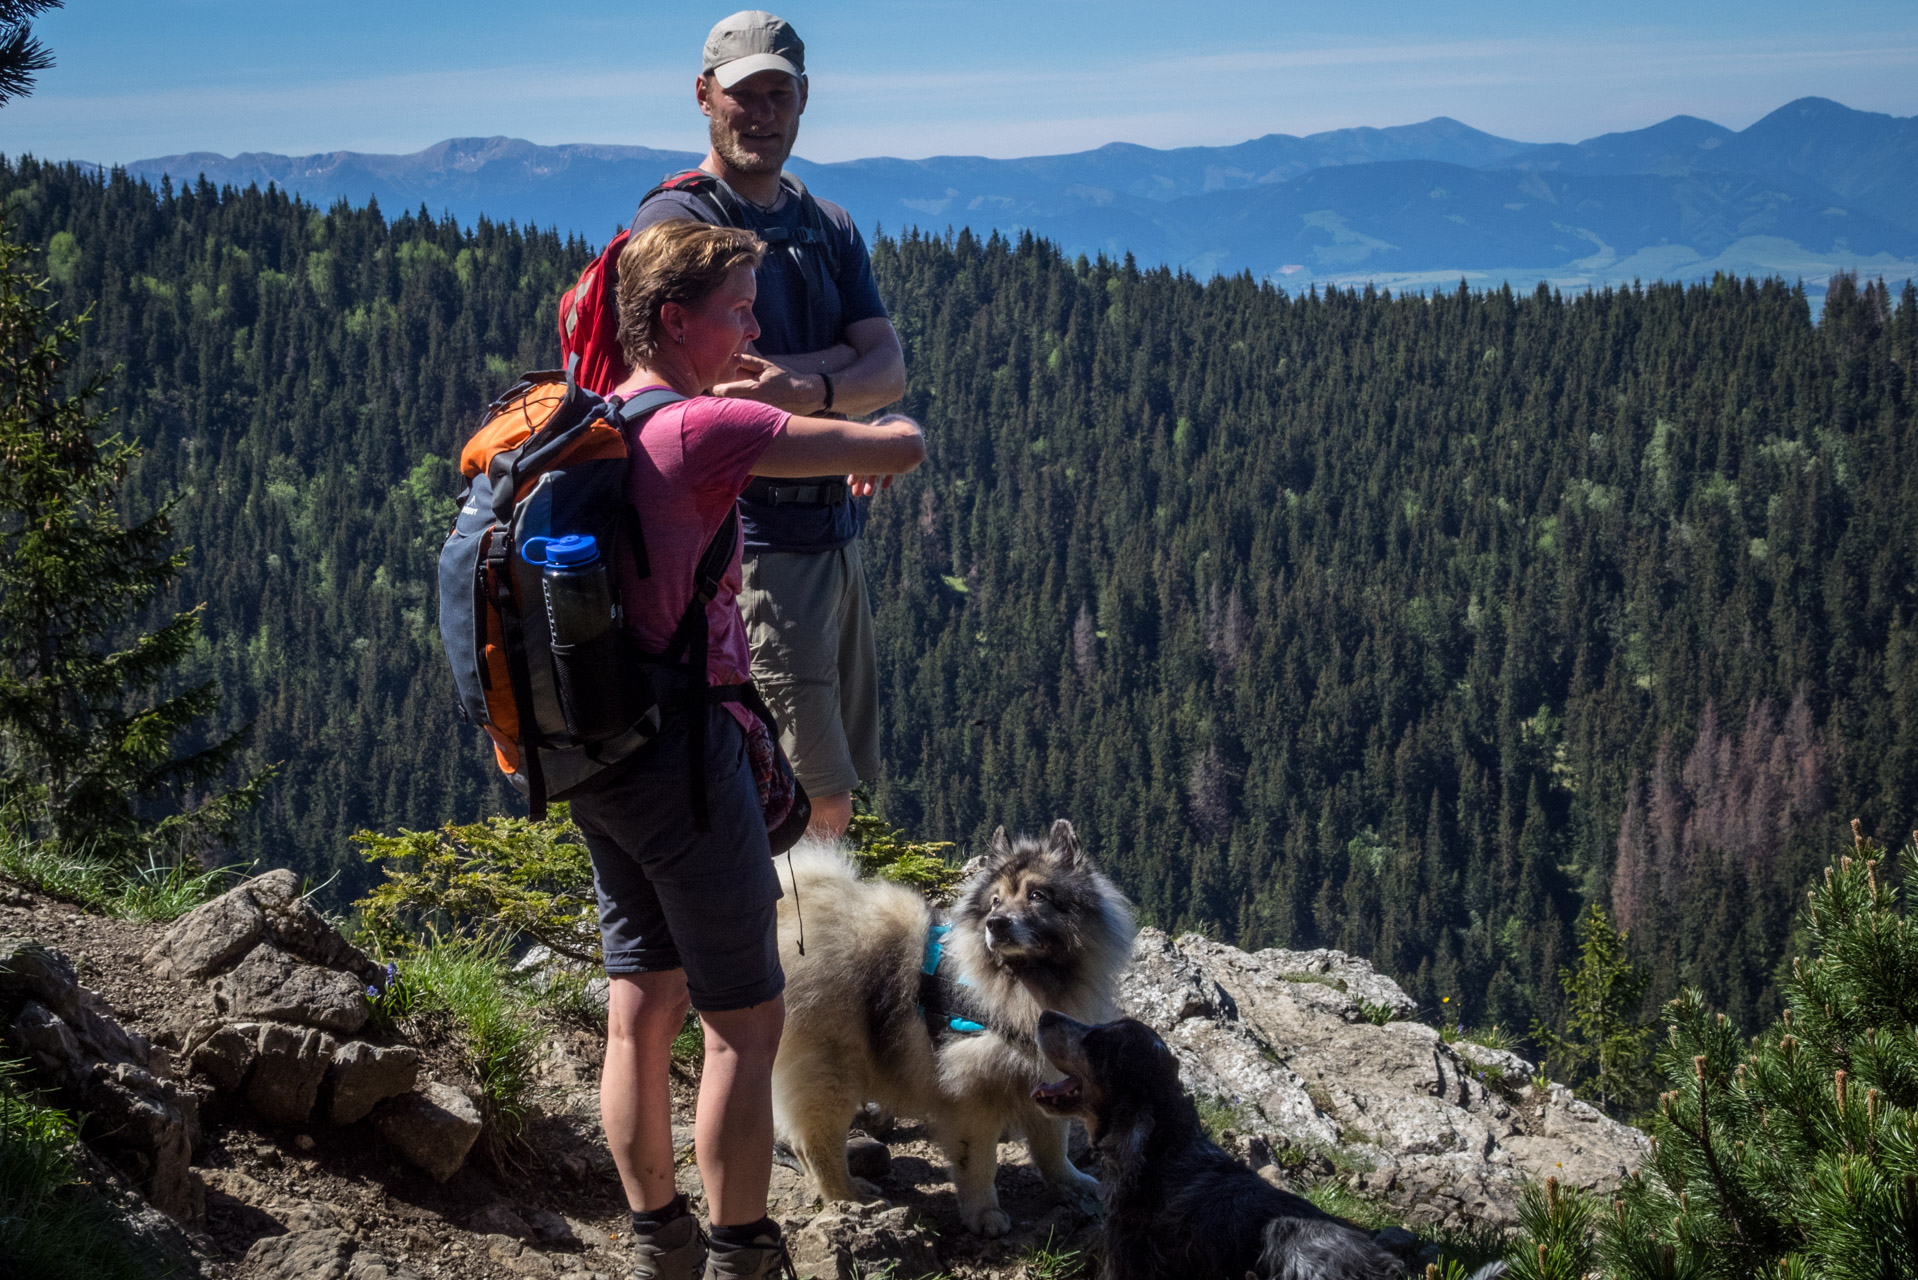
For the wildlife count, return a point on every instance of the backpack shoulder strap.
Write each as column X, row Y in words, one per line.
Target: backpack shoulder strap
column 646, row 403
column 632, row 413
column 708, row 189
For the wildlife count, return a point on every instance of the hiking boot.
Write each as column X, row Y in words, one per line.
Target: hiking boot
column 677, row 1251
column 764, row 1259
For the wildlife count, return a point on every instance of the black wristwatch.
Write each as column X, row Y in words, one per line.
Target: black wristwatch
column 827, row 379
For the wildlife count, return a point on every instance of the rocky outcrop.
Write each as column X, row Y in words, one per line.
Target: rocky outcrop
column 1445, row 1132
column 135, row 1114
column 288, row 994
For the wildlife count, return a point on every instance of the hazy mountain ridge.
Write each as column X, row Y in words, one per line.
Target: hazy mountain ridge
column 1811, row 188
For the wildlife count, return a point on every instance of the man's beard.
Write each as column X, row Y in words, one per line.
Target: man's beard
column 726, row 146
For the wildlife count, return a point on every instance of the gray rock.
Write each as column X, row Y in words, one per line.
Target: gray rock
column 287, row 1072
column 1497, row 1064
column 498, row 1220
column 271, row 985
column 142, row 1123
column 269, row 908
column 31, row 971
column 849, row 1240
column 1219, row 1056
column 149, row 1128
column 224, row 1052
column 363, row 1075
column 294, row 925
column 321, row 1254
column 433, row 1127
column 553, row 1231
column 210, row 937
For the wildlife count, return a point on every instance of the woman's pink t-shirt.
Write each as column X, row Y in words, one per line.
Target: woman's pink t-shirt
column 688, row 464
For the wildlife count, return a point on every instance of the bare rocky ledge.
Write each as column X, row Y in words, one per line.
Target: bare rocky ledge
column 240, row 1011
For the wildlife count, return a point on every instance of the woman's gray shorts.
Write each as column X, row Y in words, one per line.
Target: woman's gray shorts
column 671, row 897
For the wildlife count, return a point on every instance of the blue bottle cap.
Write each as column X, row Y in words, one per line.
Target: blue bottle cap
column 569, row 552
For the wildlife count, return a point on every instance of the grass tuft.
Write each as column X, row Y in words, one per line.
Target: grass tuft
column 51, row 1226
column 158, row 892
column 1376, row 1014
column 471, row 980
column 1217, row 1114
column 1050, row 1261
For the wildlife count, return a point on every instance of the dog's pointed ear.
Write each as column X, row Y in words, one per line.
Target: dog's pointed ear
column 1064, row 844
column 999, row 848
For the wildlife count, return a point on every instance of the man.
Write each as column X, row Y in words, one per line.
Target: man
column 829, row 348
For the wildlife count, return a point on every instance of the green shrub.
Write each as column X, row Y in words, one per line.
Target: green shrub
column 1793, row 1153
column 883, row 851
column 51, row 1226
column 508, row 876
column 1555, row 1234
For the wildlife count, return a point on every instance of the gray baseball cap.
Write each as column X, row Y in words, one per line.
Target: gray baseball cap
column 752, row 41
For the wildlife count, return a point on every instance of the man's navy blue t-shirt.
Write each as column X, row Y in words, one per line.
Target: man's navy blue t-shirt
column 791, row 322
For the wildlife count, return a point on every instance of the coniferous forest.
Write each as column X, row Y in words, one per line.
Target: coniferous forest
column 1403, row 625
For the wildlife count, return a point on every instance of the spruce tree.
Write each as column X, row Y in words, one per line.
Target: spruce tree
column 89, row 733
column 1794, row 1153
column 1603, row 1045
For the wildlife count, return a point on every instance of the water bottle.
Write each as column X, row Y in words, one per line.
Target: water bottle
column 579, row 613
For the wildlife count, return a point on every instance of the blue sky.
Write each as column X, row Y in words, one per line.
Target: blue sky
column 140, row 78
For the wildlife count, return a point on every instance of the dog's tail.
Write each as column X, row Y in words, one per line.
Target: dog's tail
column 1490, row 1271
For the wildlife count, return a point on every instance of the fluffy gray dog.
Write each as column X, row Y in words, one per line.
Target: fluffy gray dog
column 1036, row 928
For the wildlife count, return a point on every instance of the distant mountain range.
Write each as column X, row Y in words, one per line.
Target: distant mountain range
column 1812, row 188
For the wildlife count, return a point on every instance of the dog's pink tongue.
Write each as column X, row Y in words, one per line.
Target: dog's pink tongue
column 1065, row 1088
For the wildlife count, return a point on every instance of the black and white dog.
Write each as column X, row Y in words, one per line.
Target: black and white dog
column 1177, row 1207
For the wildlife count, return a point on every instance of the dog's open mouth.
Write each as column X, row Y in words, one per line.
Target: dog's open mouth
column 1059, row 1095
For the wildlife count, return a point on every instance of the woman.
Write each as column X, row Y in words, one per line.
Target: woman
column 687, row 917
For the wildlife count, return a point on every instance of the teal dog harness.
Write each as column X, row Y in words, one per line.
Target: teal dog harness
column 944, row 995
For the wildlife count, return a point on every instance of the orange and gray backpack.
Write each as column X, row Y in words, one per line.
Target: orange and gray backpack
column 548, row 463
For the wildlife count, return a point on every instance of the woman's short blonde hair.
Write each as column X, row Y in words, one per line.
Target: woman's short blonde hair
column 681, row 261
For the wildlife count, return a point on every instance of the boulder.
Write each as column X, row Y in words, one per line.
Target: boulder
column 433, row 1128
column 851, row 1240
column 289, row 1065
column 1449, row 1131
column 272, row 985
column 266, row 909
column 362, row 1076
column 210, row 937
column 1219, row 1056
column 552, row 1230
column 30, row 971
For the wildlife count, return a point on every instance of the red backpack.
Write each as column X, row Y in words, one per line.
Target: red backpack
column 589, row 311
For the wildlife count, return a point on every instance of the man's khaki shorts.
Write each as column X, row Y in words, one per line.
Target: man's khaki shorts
column 811, row 631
